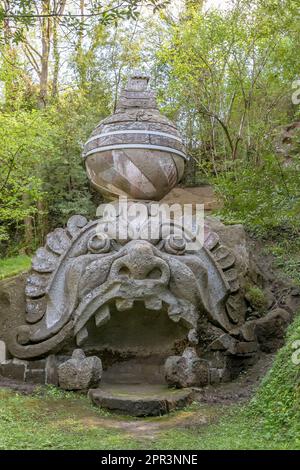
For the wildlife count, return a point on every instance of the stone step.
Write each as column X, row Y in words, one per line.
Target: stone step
column 140, row 400
column 137, row 370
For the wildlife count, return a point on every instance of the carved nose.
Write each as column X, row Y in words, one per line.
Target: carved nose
column 141, row 264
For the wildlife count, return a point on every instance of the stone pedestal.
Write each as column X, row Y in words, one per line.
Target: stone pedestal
column 139, row 400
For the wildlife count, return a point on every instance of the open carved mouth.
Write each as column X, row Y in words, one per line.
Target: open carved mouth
column 147, row 311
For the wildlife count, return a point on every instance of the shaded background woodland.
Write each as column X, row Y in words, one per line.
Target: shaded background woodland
column 226, row 76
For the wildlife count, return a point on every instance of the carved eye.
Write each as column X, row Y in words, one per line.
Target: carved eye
column 175, row 246
column 99, row 243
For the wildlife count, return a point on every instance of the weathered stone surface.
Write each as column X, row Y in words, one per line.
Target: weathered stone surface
column 24, row 371
column 186, row 370
column 215, row 375
column 203, row 194
column 223, row 343
column 80, row 372
column 13, row 370
column 295, row 291
column 36, row 365
column 236, row 308
column 12, row 304
column 140, row 400
column 139, row 297
column 94, row 276
column 270, row 298
column 176, row 373
column 35, row 376
column 244, row 348
column 2, row 352
column 224, row 256
column 291, row 300
column 247, row 331
column 270, row 330
column 232, row 279
column 51, row 370
column 233, row 237
column 236, row 364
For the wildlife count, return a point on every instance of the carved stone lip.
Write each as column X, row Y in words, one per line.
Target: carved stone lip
column 97, row 304
column 135, row 131
column 136, row 146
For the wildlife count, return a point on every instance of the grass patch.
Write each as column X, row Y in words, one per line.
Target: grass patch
column 277, row 401
column 286, row 252
column 56, row 421
column 15, row 265
column 270, row 421
column 70, row 422
column 232, row 432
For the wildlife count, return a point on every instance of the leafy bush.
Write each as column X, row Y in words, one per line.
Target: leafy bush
column 14, row 265
column 266, row 199
column 256, row 298
column 277, row 401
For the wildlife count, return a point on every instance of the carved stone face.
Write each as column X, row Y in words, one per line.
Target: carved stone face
column 82, row 279
column 138, row 272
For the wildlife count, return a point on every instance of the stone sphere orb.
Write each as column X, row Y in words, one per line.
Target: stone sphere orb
column 136, row 152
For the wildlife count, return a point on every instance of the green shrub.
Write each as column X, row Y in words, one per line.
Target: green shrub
column 277, row 401
column 265, row 198
column 256, row 298
column 15, row 265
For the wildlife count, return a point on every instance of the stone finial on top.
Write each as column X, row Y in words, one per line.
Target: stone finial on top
column 138, row 81
column 136, row 93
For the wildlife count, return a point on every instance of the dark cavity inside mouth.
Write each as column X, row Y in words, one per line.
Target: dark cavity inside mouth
column 136, row 341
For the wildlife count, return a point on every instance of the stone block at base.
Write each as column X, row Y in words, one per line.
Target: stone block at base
column 140, row 400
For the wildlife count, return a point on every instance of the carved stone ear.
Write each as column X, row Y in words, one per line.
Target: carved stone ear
column 44, row 264
column 75, row 224
column 226, row 261
column 175, row 246
column 99, row 244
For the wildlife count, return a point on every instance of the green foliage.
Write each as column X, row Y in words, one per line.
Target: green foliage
column 286, row 251
column 43, row 178
column 15, row 265
column 47, row 422
column 226, row 76
column 23, row 14
column 256, row 298
column 265, row 198
column 23, row 142
column 277, row 402
column 64, row 177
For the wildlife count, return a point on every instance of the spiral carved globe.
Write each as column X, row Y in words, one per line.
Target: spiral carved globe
column 136, row 152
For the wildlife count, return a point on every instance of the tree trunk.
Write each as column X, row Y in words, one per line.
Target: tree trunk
column 79, row 50
column 28, row 225
column 58, row 9
column 56, row 58
column 45, row 30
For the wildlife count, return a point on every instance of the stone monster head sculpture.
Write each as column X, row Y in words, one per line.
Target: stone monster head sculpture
column 81, row 272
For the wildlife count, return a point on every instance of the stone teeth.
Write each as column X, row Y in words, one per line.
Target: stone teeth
column 174, row 312
column 193, row 337
column 153, row 304
column 81, row 336
column 102, row 316
column 124, row 304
